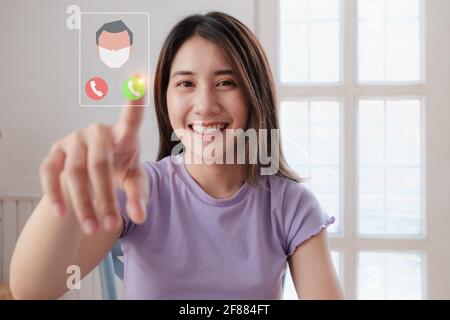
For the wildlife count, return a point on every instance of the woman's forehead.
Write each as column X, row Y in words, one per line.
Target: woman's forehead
column 200, row 55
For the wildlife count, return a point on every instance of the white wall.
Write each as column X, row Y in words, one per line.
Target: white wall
column 39, row 93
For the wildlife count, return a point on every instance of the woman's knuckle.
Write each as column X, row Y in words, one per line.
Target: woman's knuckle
column 99, row 163
column 47, row 166
column 97, row 129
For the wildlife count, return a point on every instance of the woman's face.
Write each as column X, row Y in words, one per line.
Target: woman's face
column 204, row 98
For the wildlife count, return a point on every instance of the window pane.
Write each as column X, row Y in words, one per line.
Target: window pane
column 389, row 40
column 310, row 140
column 289, row 292
column 310, row 41
column 390, row 201
column 388, row 275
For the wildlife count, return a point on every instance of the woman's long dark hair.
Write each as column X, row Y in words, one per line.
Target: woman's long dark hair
column 250, row 64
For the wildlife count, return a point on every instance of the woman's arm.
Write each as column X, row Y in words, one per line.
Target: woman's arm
column 80, row 173
column 47, row 245
column 312, row 270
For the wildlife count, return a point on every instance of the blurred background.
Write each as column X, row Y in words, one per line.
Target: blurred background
column 364, row 99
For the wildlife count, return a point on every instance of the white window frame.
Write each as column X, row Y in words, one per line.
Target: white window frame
column 424, row 270
column 340, row 102
column 434, row 91
column 423, row 38
column 423, row 234
column 277, row 70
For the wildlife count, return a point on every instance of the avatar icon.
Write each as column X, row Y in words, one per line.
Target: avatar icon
column 114, row 41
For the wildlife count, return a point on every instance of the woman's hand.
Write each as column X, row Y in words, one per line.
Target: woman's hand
column 94, row 161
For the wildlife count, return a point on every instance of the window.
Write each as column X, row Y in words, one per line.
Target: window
column 365, row 116
column 389, row 275
column 309, row 41
column 310, row 131
column 389, row 40
column 390, row 170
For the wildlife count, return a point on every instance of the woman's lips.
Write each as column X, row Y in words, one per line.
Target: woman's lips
column 206, row 132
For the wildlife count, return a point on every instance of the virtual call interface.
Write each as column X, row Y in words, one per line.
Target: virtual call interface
column 113, row 58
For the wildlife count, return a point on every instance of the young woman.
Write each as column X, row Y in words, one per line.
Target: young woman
column 196, row 229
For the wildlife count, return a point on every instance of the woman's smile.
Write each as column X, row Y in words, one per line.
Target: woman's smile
column 205, row 130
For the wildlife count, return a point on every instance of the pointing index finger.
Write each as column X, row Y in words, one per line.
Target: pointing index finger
column 131, row 116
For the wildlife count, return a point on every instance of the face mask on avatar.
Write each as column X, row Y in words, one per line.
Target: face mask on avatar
column 114, row 58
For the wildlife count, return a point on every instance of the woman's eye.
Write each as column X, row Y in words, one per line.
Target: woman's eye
column 186, row 84
column 226, row 83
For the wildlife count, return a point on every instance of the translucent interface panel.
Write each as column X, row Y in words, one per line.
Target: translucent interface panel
column 289, row 292
column 389, row 183
column 388, row 275
column 309, row 41
column 310, row 140
column 389, row 40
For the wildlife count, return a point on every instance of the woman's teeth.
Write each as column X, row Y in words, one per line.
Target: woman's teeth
column 200, row 129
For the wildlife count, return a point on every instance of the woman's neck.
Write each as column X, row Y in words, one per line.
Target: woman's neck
column 218, row 180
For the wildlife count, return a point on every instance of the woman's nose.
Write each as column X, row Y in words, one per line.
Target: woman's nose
column 206, row 102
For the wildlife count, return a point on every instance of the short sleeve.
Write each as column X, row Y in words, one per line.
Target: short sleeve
column 304, row 216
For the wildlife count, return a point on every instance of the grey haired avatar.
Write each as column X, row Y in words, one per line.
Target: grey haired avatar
column 114, row 40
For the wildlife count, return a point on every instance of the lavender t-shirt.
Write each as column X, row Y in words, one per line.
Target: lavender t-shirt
column 194, row 246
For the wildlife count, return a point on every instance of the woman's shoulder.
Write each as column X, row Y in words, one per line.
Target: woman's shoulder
column 159, row 168
column 290, row 195
column 298, row 211
column 283, row 186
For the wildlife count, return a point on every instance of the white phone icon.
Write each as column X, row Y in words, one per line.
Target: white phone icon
column 133, row 92
column 94, row 89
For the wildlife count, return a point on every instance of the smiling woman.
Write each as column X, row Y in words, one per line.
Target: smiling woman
column 195, row 99
column 214, row 231
column 229, row 230
column 234, row 64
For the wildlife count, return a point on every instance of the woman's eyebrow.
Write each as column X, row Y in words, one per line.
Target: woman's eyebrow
column 182, row 72
column 221, row 72
column 216, row 73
